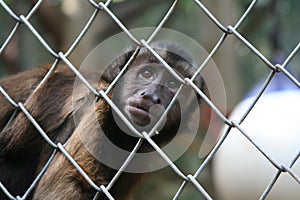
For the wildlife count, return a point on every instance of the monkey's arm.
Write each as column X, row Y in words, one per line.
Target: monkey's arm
column 62, row 180
column 20, row 144
column 48, row 105
column 19, row 87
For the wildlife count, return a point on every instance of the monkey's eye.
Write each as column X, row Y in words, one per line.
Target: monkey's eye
column 171, row 84
column 147, row 74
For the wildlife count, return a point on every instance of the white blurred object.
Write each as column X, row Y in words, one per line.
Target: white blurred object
column 240, row 170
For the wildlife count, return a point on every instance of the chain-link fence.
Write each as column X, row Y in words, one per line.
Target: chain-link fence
column 187, row 178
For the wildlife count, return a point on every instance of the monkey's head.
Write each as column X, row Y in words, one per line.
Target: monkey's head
column 147, row 88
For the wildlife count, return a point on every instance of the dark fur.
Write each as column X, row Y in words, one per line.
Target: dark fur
column 23, row 151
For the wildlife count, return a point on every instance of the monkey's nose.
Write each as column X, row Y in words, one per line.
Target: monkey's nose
column 154, row 98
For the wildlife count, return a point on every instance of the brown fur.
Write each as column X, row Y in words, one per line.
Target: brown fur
column 99, row 173
column 20, row 144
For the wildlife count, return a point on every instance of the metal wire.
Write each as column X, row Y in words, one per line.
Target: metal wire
column 24, row 20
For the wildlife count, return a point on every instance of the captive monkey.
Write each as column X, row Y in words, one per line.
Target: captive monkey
column 23, row 151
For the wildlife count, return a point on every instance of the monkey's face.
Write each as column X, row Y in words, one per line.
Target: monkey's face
column 143, row 94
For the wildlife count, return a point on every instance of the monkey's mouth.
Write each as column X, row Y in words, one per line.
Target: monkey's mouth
column 139, row 112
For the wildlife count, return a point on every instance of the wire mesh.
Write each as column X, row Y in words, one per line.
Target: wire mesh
column 189, row 178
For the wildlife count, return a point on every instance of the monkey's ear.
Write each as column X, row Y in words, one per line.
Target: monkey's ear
column 115, row 67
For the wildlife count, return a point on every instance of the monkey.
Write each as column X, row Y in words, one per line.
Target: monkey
column 142, row 94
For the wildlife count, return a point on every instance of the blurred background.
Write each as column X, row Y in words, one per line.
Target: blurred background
column 273, row 27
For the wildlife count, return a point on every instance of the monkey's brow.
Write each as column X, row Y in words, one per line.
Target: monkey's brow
column 152, row 65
